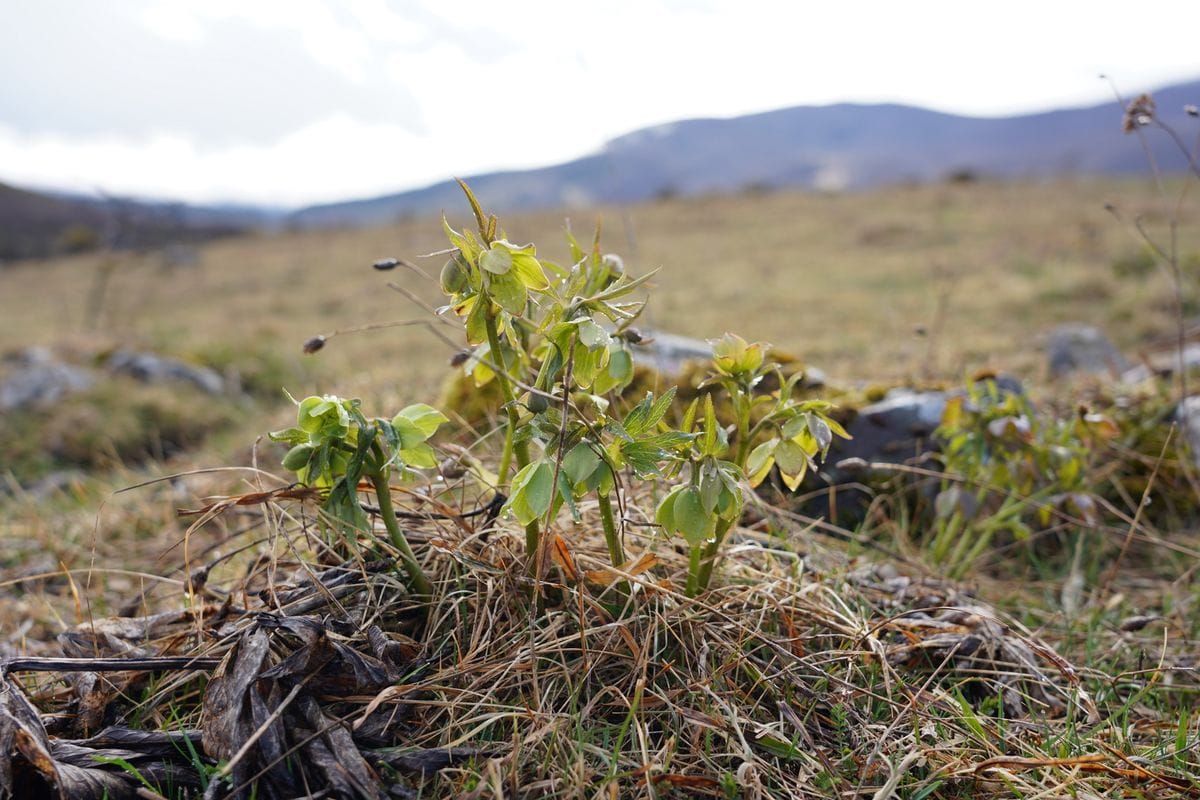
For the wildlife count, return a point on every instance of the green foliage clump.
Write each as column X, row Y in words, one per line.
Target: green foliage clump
column 1011, row 471
column 334, row 446
column 552, row 343
column 1137, row 264
column 118, row 421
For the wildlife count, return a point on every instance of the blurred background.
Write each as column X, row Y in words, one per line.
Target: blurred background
column 890, row 193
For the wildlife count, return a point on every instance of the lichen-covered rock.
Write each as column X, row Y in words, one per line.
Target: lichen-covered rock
column 39, row 380
column 899, row 429
column 1075, row 347
column 149, row 368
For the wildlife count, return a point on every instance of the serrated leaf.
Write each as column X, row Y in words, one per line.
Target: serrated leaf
column 646, row 415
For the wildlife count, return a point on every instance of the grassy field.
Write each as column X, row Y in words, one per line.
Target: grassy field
column 844, row 281
column 897, row 286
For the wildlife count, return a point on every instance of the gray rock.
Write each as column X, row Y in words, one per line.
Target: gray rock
column 1075, row 347
column 149, row 368
column 1187, row 414
column 897, row 430
column 38, row 380
column 669, row 353
column 53, row 483
column 1162, row 365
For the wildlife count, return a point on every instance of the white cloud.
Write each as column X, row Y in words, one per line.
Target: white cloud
column 304, row 100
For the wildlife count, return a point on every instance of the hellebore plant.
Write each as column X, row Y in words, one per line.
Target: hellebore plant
column 557, row 342
column 334, row 446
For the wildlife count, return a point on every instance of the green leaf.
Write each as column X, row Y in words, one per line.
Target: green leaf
column 477, row 319
column 508, row 292
column 529, row 270
column 410, row 434
column 465, row 246
column 532, row 491
column 793, row 463
column 710, row 445
column 664, row 515
column 497, row 259
column 760, row 461
column 821, row 432
column 427, row 418
column 579, row 464
column 475, row 208
column 592, row 335
column 710, row 486
column 645, row 416
column 325, row 417
column 794, row 426
column 837, row 428
column 298, row 457
column 690, row 519
column 587, row 364
column 292, row 436
column 420, row 455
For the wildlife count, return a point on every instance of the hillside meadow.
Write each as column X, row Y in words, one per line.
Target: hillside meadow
column 911, row 285
column 849, row 282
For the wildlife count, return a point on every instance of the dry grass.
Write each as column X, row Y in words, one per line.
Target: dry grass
column 808, row 674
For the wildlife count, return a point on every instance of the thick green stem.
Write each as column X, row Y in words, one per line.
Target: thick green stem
column 711, row 549
column 520, row 449
column 420, row 583
column 616, row 553
column 695, row 568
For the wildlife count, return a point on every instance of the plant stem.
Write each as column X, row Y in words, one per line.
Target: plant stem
column 741, row 403
column 420, row 583
column 616, row 553
column 520, row 449
column 711, row 549
column 695, row 582
column 511, row 447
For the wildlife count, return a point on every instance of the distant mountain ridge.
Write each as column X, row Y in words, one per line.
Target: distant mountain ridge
column 834, row 147
column 40, row 224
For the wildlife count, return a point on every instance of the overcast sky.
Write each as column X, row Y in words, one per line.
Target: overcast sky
column 291, row 102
